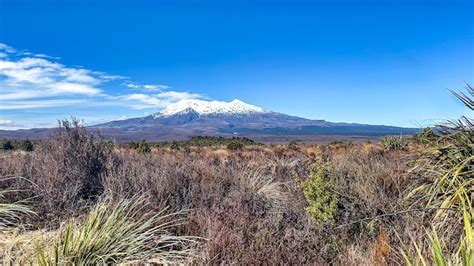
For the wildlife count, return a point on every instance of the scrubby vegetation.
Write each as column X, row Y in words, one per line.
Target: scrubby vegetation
column 195, row 142
column 402, row 201
column 208, row 141
column 24, row 145
column 395, row 142
column 143, row 147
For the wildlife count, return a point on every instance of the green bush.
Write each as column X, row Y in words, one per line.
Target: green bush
column 108, row 143
column 235, row 145
column 133, row 145
column 7, row 145
column 26, row 145
column 390, row 143
column 317, row 189
column 143, row 147
column 174, row 145
column 210, row 141
column 336, row 142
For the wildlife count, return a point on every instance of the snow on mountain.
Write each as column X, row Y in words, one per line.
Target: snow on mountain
column 204, row 108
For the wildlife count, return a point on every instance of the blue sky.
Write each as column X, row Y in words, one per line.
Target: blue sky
column 378, row 62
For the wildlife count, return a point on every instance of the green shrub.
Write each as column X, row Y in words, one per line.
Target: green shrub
column 143, row 147
column 106, row 143
column 133, row 145
column 174, row 145
column 336, row 142
column 211, row 141
column 390, row 143
column 26, row 145
column 7, row 145
column 318, row 191
column 235, row 145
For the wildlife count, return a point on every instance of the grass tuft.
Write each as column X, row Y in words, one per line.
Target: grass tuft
column 120, row 232
column 10, row 213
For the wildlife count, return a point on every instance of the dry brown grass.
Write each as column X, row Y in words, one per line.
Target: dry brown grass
column 19, row 247
column 248, row 203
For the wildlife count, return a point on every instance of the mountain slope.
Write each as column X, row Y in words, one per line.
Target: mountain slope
column 197, row 117
column 188, row 118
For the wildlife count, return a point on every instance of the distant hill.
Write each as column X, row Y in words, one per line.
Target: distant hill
column 188, row 118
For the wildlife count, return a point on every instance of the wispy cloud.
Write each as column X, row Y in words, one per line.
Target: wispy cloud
column 7, row 48
column 38, row 77
column 35, row 80
column 147, row 87
column 16, row 105
column 6, row 123
column 157, row 100
column 47, row 56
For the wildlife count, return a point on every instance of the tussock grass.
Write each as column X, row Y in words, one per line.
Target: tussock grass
column 10, row 220
column 10, row 213
column 120, row 232
column 265, row 185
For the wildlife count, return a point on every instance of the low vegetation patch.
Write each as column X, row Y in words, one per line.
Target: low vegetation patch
column 395, row 142
column 208, row 141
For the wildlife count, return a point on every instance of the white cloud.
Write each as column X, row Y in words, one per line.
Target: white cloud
column 19, row 95
column 47, row 56
column 33, row 80
column 156, row 101
column 29, row 78
column 6, row 123
column 150, row 87
column 143, row 101
column 176, row 96
column 6, row 48
column 74, row 88
column 17, row 105
column 78, row 75
column 147, row 87
column 156, row 87
column 133, row 86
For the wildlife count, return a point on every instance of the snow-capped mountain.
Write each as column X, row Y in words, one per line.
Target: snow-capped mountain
column 187, row 118
column 209, row 108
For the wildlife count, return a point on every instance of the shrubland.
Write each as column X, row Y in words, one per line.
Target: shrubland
column 76, row 199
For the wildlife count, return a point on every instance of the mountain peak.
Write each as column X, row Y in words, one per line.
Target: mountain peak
column 203, row 108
